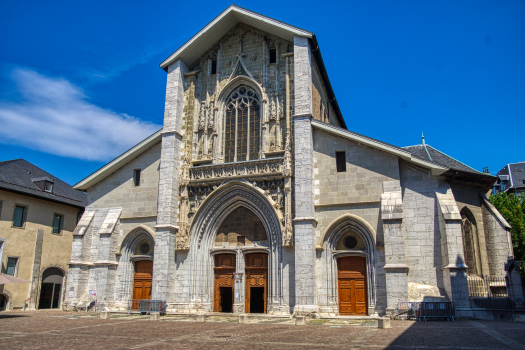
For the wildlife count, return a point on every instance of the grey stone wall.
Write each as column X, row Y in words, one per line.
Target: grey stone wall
column 358, row 190
column 118, row 190
column 498, row 240
column 421, row 226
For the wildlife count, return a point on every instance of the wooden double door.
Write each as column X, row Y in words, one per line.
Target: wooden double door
column 224, row 282
column 142, row 281
column 352, row 285
column 256, row 268
column 256, row 283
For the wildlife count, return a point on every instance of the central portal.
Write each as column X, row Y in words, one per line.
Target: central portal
column 241, row 236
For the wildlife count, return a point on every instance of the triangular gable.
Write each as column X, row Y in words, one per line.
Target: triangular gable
column 223, row 23
column 240, row 69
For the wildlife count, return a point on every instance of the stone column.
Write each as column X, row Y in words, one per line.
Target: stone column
column 239, row 286
column 304, row 221
column 395, row 263
column 454, row 268
column 35, row 273
column 170, row 159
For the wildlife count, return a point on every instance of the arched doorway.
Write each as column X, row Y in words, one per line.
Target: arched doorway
column 224, row 282
column 256, row 282
column 3, row 302
column 142, row 281
column 215, row 230
column 348, row 255
column 351, row 282
column 137, row 246
column 51, row 288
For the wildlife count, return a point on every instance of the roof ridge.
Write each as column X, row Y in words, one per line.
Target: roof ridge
column 468, row 166
column 9, row 161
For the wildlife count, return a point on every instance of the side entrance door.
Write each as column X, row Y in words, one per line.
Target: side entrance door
column 352, row 285
column 142, row 282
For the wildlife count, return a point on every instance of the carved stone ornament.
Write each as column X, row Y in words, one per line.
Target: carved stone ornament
column 184, row 170
column 202, row 117
column 182, row 241
column 262, row 167
column 288, row 157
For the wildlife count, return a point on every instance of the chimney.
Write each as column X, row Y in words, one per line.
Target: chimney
column 486, row 170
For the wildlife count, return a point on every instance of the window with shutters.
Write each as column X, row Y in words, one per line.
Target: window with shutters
column 58, row 223
column 11, row 267
column 242, row 126
column 19, row 216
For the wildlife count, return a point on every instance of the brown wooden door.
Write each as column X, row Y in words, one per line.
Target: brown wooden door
column 224, row 282
column 351, row 274
column 142, row 281
column 256, row 282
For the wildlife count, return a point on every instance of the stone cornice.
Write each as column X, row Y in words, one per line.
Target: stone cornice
column 230, row 171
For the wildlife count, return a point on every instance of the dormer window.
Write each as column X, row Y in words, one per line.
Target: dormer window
column 48, row 186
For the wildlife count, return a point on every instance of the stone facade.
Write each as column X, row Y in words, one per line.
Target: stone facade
column 246, row 164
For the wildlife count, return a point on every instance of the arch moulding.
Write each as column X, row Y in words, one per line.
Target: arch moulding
column 341, row 219
column 131, row 235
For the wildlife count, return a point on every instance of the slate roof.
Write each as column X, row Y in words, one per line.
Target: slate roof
column 19, row 175
column 438, row 157
column 516, row 172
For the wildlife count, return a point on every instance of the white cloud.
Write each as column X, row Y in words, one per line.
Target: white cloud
column 56, row 117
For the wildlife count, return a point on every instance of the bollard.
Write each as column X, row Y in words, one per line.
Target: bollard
column 300, row 320
column 104, row 315
column 154, row 316
column 243, row 319
column 384, row 323
column 201, row 318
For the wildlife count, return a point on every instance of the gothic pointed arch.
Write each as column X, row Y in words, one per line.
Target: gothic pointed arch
column 334, row 244
column 139, row 244
column 211, row 214
column 469, row 233
column 348, row 221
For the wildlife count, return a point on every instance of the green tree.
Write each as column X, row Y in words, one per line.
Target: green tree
column 512, row 207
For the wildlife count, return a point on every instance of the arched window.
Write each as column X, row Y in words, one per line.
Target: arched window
column 243, row 125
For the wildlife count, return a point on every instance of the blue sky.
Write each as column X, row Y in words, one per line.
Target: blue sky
column 80, row 81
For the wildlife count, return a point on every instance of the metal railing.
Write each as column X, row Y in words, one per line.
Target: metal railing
column 146, row 306
column 487, row 287
column 426, row 309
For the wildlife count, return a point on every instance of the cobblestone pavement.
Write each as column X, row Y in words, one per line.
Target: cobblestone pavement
column 62, row 330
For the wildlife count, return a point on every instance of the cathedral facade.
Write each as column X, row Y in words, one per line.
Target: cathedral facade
column 255, row 197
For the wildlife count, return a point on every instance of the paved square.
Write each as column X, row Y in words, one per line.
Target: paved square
column 63, row 330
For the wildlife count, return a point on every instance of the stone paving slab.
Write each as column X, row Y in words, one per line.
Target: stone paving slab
column 61, row 330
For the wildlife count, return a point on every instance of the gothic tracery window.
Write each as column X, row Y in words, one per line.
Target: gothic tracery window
column 243, row 125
